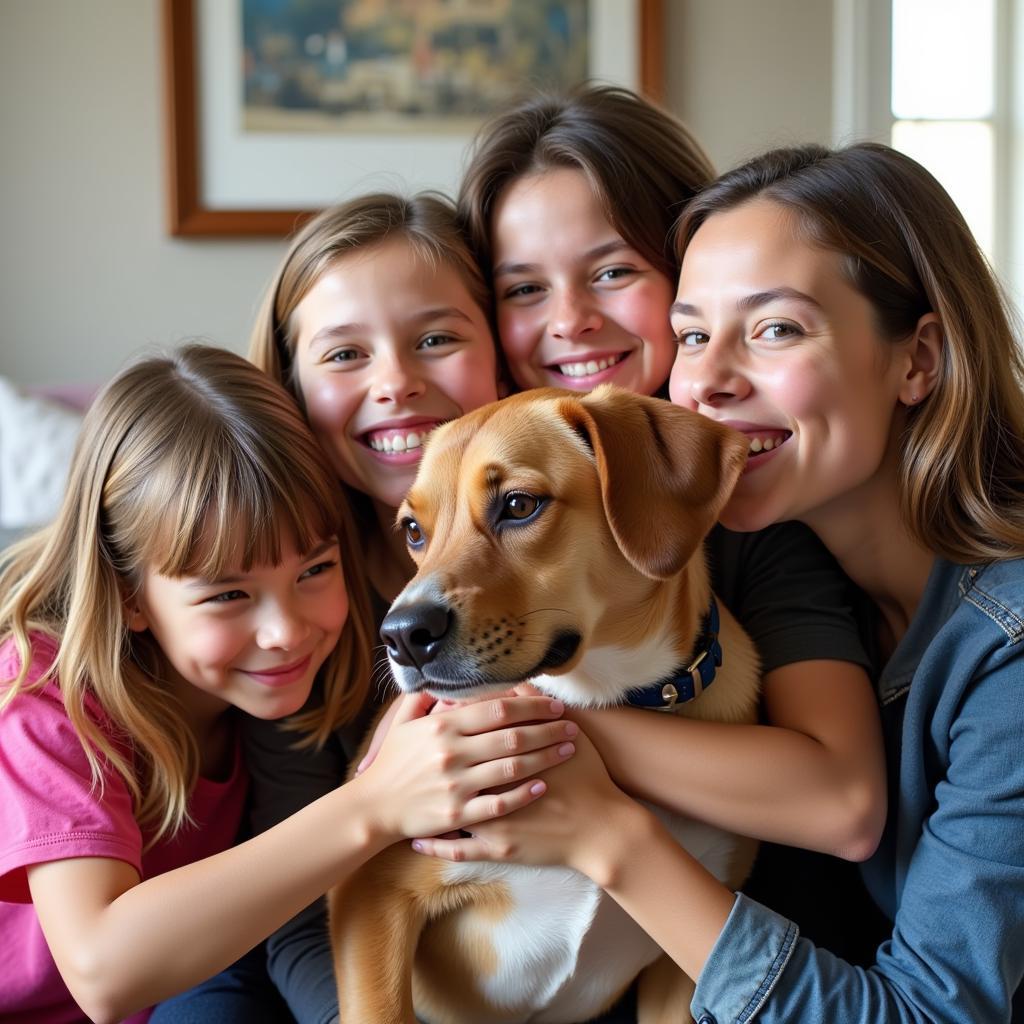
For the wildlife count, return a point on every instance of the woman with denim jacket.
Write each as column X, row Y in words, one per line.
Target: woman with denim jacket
column 834, row 307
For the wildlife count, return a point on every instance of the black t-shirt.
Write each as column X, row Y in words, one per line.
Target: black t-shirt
column 788, row 592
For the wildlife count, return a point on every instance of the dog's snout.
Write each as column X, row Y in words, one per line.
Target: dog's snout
column 415, row 634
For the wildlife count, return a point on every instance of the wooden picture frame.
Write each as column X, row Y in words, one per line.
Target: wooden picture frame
column 191, row 213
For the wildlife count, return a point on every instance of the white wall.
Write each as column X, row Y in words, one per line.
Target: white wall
column 89, row 274
column 748, row 75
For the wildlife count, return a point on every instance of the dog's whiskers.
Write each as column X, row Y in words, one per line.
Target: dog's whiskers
column 381, row 679
column 538, row 611
column 532, row 638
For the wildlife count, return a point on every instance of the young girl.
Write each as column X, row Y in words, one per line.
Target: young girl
column 195, row 567
column 376, row 321
column 835, row 302
column 570, row 201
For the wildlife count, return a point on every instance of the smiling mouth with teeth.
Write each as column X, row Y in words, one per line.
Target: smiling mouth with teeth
column 399, row 441
column 589, row 367
column 767, row 443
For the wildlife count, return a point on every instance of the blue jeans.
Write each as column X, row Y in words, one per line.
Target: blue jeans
column 244, row 994
column 241, row 994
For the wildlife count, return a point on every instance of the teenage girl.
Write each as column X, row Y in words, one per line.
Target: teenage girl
column 195, row 568
column 835, row 302
column 569, row 201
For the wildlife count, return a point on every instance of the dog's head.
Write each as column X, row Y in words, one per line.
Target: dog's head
column 547, row 523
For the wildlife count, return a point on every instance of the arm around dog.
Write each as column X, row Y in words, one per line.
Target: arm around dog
column 589, row 824
column 122, row 944
column 813, row 778
column 813, row 775
column 750, row 962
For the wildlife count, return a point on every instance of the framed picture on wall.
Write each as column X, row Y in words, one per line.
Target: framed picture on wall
column 277, row 108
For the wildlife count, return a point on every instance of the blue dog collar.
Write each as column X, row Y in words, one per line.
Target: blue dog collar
column 687, row 683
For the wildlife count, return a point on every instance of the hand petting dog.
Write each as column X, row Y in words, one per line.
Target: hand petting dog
column 453, row 763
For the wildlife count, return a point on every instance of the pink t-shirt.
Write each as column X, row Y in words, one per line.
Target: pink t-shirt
column 49, row 811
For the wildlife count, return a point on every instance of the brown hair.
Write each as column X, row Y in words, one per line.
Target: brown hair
column 174, row 454
column 908, row 250
column 642, row 163
column 427, row 221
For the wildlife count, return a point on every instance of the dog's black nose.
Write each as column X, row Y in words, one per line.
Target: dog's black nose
column 416, row 633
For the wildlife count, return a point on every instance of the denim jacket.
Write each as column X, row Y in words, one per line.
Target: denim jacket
column 950, row 868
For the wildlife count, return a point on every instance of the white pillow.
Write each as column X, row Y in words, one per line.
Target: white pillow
column 37, row 437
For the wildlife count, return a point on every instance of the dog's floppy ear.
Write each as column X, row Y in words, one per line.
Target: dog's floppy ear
column 665, row 473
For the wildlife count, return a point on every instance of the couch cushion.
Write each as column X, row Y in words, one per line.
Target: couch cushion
column 37, row 437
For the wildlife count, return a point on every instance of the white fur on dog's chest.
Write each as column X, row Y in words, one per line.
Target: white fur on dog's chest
column 558, row 918
column 598, row 678
column 555, row 915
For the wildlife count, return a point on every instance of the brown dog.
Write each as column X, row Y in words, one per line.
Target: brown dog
column 557, row 539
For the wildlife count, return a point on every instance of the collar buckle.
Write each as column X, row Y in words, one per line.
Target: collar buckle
column 697, row 673
column 689, row 682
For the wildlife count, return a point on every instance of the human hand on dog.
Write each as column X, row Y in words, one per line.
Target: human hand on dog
column 569, row 827
column 436, row 773
column 434, row 707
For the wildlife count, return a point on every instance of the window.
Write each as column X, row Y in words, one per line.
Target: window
column 943, row 100
column 935, row 79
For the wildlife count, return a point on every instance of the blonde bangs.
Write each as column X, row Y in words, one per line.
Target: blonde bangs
column 234, row 506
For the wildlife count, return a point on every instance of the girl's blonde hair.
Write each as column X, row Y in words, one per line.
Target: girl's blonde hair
column 186, row 465
column 426, row 221
column 907, row 249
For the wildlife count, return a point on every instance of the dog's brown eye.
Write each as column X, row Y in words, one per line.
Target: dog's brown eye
column 520, row 505
column 413, row 533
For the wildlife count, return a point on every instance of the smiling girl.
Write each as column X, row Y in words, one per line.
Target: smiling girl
column 195, row 571
column 568, row 202
column 376, row 320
